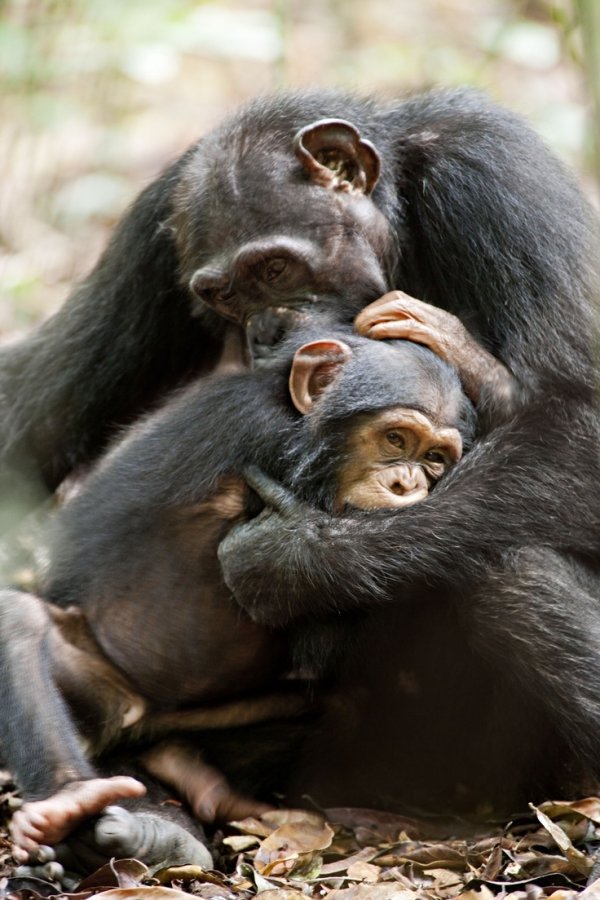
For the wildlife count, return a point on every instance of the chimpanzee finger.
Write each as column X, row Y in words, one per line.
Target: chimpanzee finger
column 387, row 299
column 271, row 492
column 44, row 854
column 395, row 304
column 408, row 330
column 50, row 871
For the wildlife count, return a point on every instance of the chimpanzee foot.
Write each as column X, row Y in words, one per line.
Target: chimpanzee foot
column 207, row 791
column 48, row 822
column 154, row 840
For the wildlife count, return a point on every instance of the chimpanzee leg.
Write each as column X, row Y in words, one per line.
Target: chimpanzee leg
column 40, row 745
column 208, row 793
column 39, row 739
column 537, row 619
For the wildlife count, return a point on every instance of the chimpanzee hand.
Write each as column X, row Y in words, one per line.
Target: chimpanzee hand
column 276, row 561
column 397, row 315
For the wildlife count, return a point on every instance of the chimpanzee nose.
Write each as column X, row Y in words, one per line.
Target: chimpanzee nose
column 266, row 328
column 405, row 480
column 408, row 478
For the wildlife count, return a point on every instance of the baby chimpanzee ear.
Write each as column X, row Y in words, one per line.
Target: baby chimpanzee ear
column 315, row 366
column 333, row 154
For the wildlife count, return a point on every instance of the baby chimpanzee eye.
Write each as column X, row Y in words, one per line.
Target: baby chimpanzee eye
column 395, row 438
column 435, row 456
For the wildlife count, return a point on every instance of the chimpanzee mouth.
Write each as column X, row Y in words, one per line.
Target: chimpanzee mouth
column 267, row 328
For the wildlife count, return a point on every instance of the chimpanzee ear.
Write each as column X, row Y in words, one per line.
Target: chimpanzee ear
column 315, row 366
column 335, row 156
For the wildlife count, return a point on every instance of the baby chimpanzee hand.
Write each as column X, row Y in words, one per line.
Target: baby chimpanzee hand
column 277, row 562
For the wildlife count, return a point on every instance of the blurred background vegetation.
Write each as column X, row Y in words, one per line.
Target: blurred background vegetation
column 97, row 95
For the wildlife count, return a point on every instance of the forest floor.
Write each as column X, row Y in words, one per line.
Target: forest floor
column 354, row 855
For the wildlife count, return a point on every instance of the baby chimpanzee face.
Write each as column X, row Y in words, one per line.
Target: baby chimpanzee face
column 393, row 417
column 393, row 458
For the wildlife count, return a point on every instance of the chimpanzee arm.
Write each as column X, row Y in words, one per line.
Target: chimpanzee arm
column 169, row 462
column 500, row 235
column 123, row 336
column 533, row 482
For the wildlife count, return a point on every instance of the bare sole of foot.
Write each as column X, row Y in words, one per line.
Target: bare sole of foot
column 48, row 822
column 155, row 839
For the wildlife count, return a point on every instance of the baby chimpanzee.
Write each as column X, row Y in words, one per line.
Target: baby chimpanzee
column 138, row 636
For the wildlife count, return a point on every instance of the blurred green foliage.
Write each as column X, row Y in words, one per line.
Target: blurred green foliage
column 97, row 95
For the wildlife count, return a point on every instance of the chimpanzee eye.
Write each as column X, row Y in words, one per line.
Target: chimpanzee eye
column 223, row 298
column 273, row 268
column 395, row 438
column 435, row 456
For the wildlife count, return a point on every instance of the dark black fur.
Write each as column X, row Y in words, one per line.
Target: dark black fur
column 508, row 541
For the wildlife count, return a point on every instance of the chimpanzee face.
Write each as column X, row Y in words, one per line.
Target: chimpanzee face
column 279, row 230
column 394, row 420
column 393, row 458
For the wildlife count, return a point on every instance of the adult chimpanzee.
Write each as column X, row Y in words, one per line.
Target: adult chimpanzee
column 136, row 552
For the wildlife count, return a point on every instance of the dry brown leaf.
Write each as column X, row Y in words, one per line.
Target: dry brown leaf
column 382, row 825
column 493, row 863
column 293, row 846
column 122, row 873
column 588, row 807
column 339, row 866
column 241, row 842
column 534, row 864
column 579, row 860
column 483, row 893
column 141, row 893
column 443, row 878
column 441, row 856
column 213, row 892
column 188, row 873
column 282, row 894
column 275, row 818
column 364, row 871
column 398, row 875
column 252, row 825
column 536, row 839
column 388, row 891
